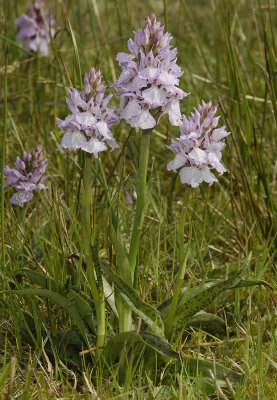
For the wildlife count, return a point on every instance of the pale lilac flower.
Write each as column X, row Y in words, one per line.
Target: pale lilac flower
column 198, row 149
column 88, row 126
column 131, row 197
column 148, row 84
column 36, row 28
column 27, row 176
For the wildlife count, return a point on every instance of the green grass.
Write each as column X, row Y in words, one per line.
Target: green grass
column 227, row 49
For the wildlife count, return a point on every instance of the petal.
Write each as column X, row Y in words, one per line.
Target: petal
column 194, row 176
column 154, row 96
column 43, row 46
column 207, row 175
column 19, row 163
column 149, row 73
column 31, row 44
column 21, row 197
column 103, row 129
column 190, row 176
column 214, row 160
column 174, row 113
column 129, row 197
column 27, row 186
column 197, row 156
column 94, row 146
column 136, row 84
column 124, row 77
column 165, row 78
column 143, row 121
column 73, row 141
column 67, row 124
column 132, row 109
column 86, row 119
column 112, row 143
column 178, row 162
column 124, row 57
column 219, row 134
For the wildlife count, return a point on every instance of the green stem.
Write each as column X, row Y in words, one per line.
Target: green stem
column 124, row 311
column 97, row 292
column 165, row 16
column 3, row 161
column 182, row 265
column 141, row 200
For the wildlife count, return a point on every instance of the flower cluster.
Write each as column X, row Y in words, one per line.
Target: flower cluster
column 148, row 84
column 36, row 28
column 27, row 176
column 88, row 127
column 199, row 146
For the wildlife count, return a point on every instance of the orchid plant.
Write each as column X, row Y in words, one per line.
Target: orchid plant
column 148, row 88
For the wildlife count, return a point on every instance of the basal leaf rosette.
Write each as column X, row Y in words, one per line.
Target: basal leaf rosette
column 148, row 84
column 88, row 127
column 198, row 149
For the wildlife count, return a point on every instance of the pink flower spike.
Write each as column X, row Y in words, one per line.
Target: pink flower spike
column 88, row 126
column 198, row 149
column 150, row 78
column 36, row 29
column 27, row 176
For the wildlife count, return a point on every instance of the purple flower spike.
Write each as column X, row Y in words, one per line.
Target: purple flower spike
column 148, row 84
column 88, row 126
column 32, row 28
column 27, row 176
column 199, row 146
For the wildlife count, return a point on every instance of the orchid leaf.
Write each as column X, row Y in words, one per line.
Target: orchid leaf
column 66, row 304
column 245, row 283
column 136, row 341
column 36, row 277
column 83, row 304
column 207, row 322
column 205, row 297
column 148, row 313
column 121, row 256
column 200, row 369
column 108, row 290
column 158, row 344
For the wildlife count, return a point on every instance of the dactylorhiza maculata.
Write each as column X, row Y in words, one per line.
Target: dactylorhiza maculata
column 198, row 149
column 27, row 176
column 88, row 127
column 148, row 84
column 36, row 28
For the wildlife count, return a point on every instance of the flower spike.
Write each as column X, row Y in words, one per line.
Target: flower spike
column 198, row 149
column 32, row 28
column 27, row 176
column 88, row 126
column 148, row 84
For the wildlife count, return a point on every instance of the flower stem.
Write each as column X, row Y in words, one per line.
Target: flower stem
column 182, row 265
column 3, row 162
column 97, row 292
column 141, row 200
